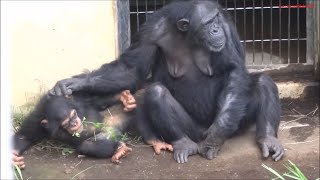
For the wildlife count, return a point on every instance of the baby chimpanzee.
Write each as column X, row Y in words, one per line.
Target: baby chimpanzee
column 76, row 120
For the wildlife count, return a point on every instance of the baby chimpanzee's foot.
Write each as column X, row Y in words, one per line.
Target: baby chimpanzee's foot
column 183, row 148
column 121, row 152
column 159, row 145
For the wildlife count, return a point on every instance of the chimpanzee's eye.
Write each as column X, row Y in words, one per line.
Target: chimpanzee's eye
column 74, row 116
column 66, row 126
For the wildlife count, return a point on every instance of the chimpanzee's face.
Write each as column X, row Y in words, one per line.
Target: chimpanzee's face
column 60, row 114
column 72, row 123
column 206, row 26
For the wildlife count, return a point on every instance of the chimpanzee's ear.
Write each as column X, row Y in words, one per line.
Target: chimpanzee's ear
column 47, row 96
column 183, row 25
column 44, row 123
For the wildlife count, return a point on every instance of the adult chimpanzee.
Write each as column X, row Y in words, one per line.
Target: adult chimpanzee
column 201, row 93
column 76, row 121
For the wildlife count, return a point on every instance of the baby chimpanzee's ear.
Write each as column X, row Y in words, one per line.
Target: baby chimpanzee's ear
column 44, row 123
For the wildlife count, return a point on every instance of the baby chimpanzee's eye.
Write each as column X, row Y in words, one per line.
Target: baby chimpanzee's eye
column 65, row 124
column 74, row 115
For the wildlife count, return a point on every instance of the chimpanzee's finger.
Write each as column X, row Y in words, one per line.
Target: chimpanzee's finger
column 280, row 155
column 14, row 152
column 211, row 153
column 131, row 100
column 18, row 158
column 157, row 150
column 265, row 150
column 57, row 91
column 63, row 89
column 130, row 107
column 125, row 93
column 175, row 157
column 185, row 157
column 169, row 147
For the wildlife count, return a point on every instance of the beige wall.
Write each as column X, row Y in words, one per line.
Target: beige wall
column 52, row 40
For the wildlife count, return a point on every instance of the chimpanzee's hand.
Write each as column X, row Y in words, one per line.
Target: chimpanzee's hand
column 18, row 160
column 210, row 147
column 67, row 86
column 271, row 144
column 128, row 101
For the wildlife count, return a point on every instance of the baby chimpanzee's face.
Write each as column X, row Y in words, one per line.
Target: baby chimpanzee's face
column 72, row 123
column 61, row 114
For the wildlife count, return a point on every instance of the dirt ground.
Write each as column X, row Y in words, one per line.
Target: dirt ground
column 239, row 158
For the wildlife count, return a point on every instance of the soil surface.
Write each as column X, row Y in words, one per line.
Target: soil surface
column 239, row 158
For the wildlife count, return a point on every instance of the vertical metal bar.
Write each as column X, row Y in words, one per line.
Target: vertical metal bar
column 245, row 32
column 310, row 22
column 235, row 13
column 280, row 32
column 124, row 33
column 155, row 5
column 271, row 34
column 226, row 4
column 298, row 24
column 137, row 6
column 146, row 10
column 262, row 32
column 253, row 37
column 289, row 35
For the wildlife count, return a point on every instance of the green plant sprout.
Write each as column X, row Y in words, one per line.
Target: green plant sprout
column 17, row 170
column 124, row 137
column 109, row 131
column 95, row 124
column 76, row 134
column 66, row 151
column 294, row 172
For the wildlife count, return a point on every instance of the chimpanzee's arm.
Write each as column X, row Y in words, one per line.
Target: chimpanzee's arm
column 31, row 130
column 28, row 135
column 232, row 106
column 128, row 72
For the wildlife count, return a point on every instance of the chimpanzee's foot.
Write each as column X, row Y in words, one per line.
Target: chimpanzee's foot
column 159, row 145
column 122, row 151
column 183, row 148
column 271, row 144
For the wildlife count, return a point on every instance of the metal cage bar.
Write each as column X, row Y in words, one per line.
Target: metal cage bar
column 137, row 5
column 244, row 24
column 298, row 60
column 271, row 31
column 262, row 33
column 253, row 31
column 289, row 33
column 280, row 32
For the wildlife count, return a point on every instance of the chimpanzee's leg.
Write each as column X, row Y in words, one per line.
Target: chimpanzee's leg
column 102, row 147
column 170, row 121
column 266, row 98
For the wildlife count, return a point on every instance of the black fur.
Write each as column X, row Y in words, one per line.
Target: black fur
column 200, row 92
column 55, row 109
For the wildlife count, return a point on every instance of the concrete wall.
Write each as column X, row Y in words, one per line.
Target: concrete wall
column 53, row 40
